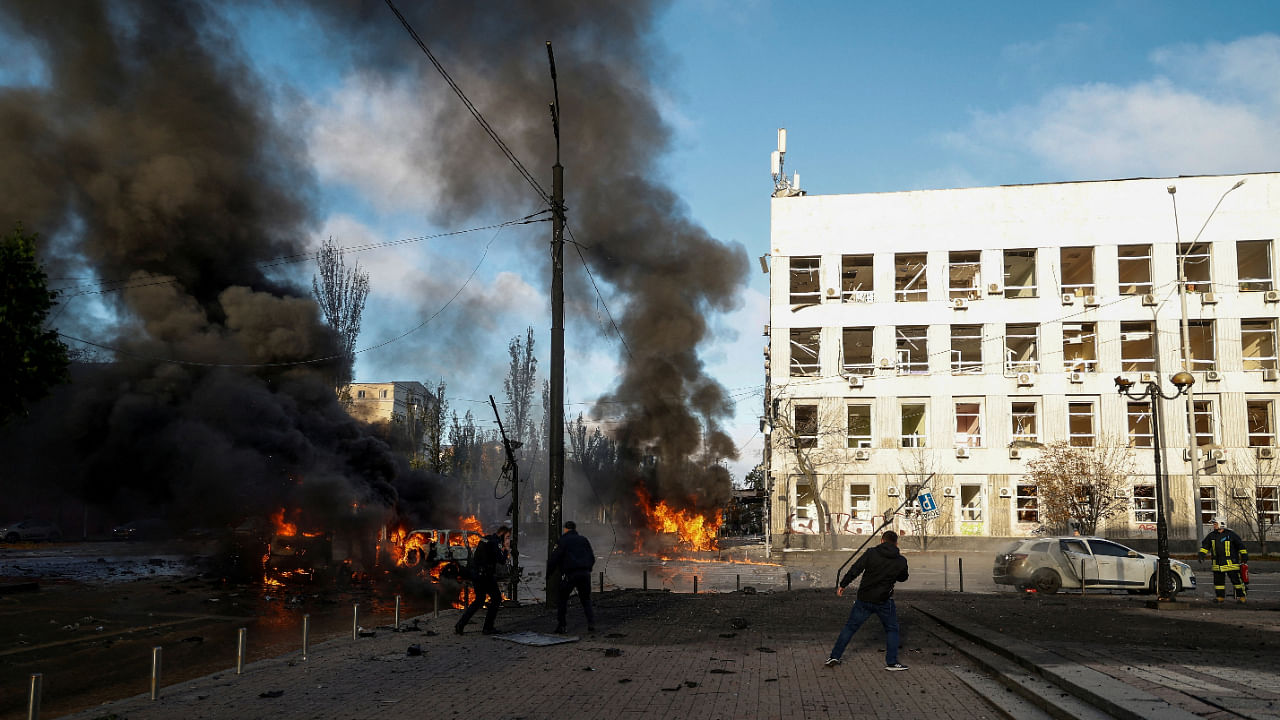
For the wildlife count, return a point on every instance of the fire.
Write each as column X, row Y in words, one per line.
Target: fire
column 694, row 531
column 282, row 526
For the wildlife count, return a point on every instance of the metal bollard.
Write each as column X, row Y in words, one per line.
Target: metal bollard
column 601, row 581
column 645, row 580
column 306, row 635
column 960, row 571
column 355, row 621
column 788, row 581
column 33, row 700
column 945, row 562
column 737, row 582
column 695, row 584
column 240, row 644
column 397, row 625
column 155, row 672
column 1082, row 576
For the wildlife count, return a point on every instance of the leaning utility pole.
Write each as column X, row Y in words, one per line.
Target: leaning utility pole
column 510, row 447
column 555, row 489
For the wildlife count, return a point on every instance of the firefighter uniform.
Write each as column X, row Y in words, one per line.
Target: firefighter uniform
column 1227, row 552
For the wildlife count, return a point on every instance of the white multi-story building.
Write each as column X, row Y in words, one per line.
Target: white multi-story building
column 956, row 331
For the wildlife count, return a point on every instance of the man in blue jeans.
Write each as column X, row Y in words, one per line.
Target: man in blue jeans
column 880, row 567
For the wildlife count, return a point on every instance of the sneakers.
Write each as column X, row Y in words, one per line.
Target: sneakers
column 1219, row 600
column 1240, row 600
column 896, row 667
column 832, row 662
column 457, row 629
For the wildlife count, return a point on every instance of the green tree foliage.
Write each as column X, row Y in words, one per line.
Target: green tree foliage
column 32, row 359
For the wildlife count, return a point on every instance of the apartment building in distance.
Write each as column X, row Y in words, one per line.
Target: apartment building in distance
column 387, row 401
column 957, row 331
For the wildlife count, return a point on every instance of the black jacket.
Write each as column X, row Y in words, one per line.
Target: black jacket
column 573, row 555
column 1225, row 549
column 880, row 567
column 488, row 554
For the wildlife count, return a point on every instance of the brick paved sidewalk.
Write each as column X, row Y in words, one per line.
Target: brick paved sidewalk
column 680, row 658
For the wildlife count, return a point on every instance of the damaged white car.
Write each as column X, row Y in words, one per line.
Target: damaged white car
column 1047, row 565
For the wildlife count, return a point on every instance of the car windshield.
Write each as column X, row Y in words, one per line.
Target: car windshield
column 1011, row 548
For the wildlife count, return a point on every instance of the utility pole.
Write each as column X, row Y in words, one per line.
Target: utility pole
column 510, row 447
column 555, row 489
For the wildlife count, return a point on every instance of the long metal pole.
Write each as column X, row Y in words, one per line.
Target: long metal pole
column 33, row 696
column 514, row 584
column 1162, row 526
column 1186, row 363
column 555, row 490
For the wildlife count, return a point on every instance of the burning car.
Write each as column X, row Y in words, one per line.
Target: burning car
column 436, row 552
column 1047, row 565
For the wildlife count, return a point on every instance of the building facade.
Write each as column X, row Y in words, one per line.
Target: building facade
column 390, row 401
column 955, row 332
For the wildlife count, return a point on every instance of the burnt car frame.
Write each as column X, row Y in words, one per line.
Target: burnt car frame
column 1049, row 564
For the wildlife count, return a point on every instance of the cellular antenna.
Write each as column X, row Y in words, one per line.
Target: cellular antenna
column 783, row 187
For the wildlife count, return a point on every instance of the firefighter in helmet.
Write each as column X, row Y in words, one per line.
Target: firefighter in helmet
column 1227, row 552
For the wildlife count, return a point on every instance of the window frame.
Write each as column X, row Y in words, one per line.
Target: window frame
column 851, row 440
column 797, row 366
column 1141, row 287
column 1267, row 504
column 1031, row 365
column 1266, row 437
column 916, row 288
column 1264, row 329
column 1208, row 504
column 1197, row 329
column 1020, row 291
column 913, row 440
column 1014, row 436
column 975, row 510
column 804, row 440
column 1204, row 412
column 967, row 439
column 1143, row 418
column 1137, row 364
column 1144, row 504
column 960, row 263
column 1087, row 333
column 811, row 266
column 852, row 503
column 849, row 274
column 1078, row 289
column 959, row 364
column 857, row 368
column 1026, row 507
column 1092, row 435
column 1246, row 262
column 911, row 347
column 1198, row 256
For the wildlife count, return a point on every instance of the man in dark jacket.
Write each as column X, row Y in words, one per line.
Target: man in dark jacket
column 880, row 567
column 1227, row 552
column 483, row 569
column 573, row 559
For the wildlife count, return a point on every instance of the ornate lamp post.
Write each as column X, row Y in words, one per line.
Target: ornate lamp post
column 1183, row 382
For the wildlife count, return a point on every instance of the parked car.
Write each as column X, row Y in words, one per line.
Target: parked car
column 149, row 529
column 1050, row 564
column 20, row 530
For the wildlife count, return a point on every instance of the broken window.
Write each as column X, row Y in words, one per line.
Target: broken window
column 1077, row 271
column 1204, row 420
column 1025, row 426
column 1258, row 343
column 857, row 279
column 806, row 426
column 1193, row 265
column 910, row 282
column 1134, row 267
column 913, row 497
column 1253, row 265
column 806, row 499
column 860, row 502
column 914, row 433
column 1137, row 347
column 1080, row 424
column 1258, row 417
column 1079, row 347
column 964, row 275
column 1268, row 501
column 968, row 424
column 1028, row 503
column 971, row 503
column 1020, row 273
column 858, row 358
column 860, row 426
column 1208, row 504
column 912, row 348
column 806, row 286
column 1200, row 338
column 1139, row 424
column 805, row 347
column 1144, row 503
column 1020, row 349
column 966, row 349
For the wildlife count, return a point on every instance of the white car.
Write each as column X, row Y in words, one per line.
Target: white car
column 1050, row 564
column 29, row 530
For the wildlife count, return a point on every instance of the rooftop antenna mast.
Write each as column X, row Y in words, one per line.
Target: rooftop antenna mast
column 782, row 187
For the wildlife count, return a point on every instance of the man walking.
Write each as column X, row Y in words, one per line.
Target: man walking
column 880, row 567
column 1228, row 553
column 491, row 552
column 573, row 559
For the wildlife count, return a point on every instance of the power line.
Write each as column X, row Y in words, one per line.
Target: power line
column 577, row 248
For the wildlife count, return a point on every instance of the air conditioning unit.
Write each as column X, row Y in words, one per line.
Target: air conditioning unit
column 892, row 491
column 861, row 454
column 1075, row 377
column 1149, row 300
column 1122, row 493
column 1208, row 298
column 1270, row 375
column 948, row 491
column 1266, row 453
column 1006, row 492
column 855, row 381
column 1015, row 454
column 1145, row 378
column 886, row 364
column 1213, row 376
column 1091, row 301
column 962, row 452
column 766, row 331
column 832, row 293
column 960, row 304
column 1186, row 454
column 1241, row 493
column 1068, row 298
column 1271, row 296
column 994, row 289
column 1218, row 454
column 1025, row 379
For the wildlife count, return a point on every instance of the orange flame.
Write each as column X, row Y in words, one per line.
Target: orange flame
column 282, row 526
column 694, row 531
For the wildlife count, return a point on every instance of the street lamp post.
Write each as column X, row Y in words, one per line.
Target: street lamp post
column 1183, row 382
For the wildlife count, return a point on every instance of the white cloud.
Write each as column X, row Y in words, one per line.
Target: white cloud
column 1212, row 113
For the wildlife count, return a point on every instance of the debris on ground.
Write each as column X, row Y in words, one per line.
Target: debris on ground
column 271, row 694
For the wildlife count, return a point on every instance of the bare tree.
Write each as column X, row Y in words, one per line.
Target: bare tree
column 434, row 427
column 816, row 445
column 917, row 466
column 1251, row 498
column 519, row 385
column 1078, row 485
column 341, row 293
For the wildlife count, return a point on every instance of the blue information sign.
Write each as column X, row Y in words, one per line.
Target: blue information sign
column 926, row 502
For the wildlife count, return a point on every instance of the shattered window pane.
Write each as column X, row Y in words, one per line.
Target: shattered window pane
column 1208, row 504
column 966, row 349
column 965, row 275
column 1079, row 347
column 910, row 281
column 860, row 502
column 913, row 425
column 1204, row 422
column 806, row 286
column 1253, row 265
column 857, row 279
column 1027, row 503
column 1134, row 267
column 971, row 503
column 1024, row 422
column 858, row 356
column 1137, row 347
column 1193, row 259
column 1258, row 417
column 1020, row 273
column 1077, row 271
column 860, row 426
column 968, row 424
column 806, row 424
column 1139, row 424
column 1144, row 503
column 1258, row 344
column 1020, row 349
column 1200, row 337
column 913, row 349
column 1080, row 424
column 805, row 348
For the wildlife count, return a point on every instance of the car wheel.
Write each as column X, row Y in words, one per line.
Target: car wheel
column 1177, row 583
column 1046, row 581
